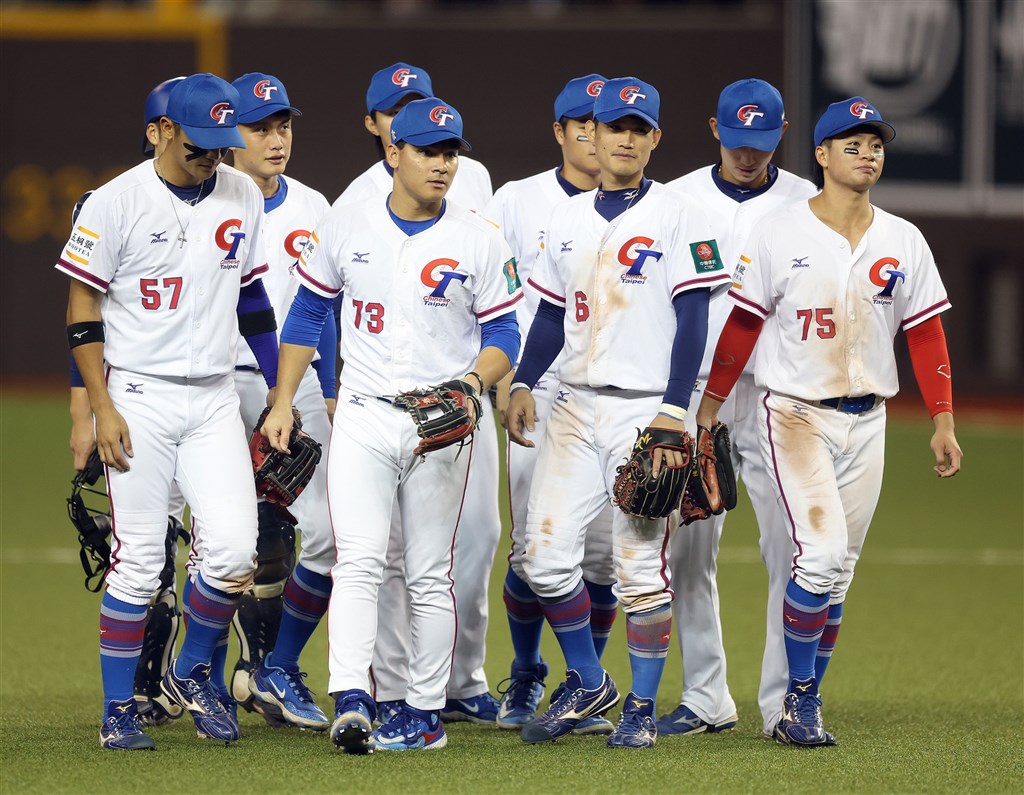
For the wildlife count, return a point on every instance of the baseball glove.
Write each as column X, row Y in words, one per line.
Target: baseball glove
column 441, row 414
column 711, row 485
column 281, row 477
column 637, row 491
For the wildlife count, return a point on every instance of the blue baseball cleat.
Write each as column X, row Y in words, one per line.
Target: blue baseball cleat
column 386, row 710
column 575, row 704
column 285, row 689
column 121, row 730
column 352, row 730
column 683, row 720
column 411, row 730
column 636, row 727
column 801, row 722
column 520, row 700
column 197, row 694
column 477, row 709
column 595, row 724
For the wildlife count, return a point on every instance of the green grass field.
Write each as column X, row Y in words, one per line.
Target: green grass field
column 925, row 692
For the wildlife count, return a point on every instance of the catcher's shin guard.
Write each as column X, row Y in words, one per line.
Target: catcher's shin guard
column 259, row 612
column 153, row 706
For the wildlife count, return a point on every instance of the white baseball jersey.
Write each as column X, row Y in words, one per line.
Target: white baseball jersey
column 521, row 209
column 471, row 187
column 412, row 305
column 124, row 245
column 831, row 315
column 286, row 228
column 732, row 222
column 619, row 318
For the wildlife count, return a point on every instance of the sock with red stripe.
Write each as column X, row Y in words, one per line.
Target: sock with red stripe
column 122, row 626
column 525, row 618
column 827, row 645
column 803, row 617
column 604, row 607
column 306, row 596
column 569, row 617
column 209, row 617
column 647, row 636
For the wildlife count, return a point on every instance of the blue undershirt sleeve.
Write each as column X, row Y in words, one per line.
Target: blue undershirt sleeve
column 76, row 375
column 688, row 346
column 254, row 303
column 543, row 344
column 326, row 365
column 306, row 318
column 501, row 333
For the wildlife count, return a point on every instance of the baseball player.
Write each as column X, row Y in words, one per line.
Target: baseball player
column 469, row 697
column 421, row 278
column 521, row 210
column 741, row 188
column 826, row 283
column 624, row 287
column 159, row 258
column 285, row 605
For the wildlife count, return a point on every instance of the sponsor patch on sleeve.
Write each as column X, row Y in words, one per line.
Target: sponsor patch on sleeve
column 81, row 245
column 511, row 276
column 705, row 256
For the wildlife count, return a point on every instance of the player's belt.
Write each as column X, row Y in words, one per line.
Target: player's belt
column 851, row 405
column 248, row 368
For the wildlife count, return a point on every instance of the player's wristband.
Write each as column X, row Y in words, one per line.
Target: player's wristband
column 84, row 333
column 516, row 386
column 675, row 412
column 476, row 375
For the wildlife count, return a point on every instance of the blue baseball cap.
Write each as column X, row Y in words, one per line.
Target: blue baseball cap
column 259, row 96
column 576, row 100
column 389, row 85
column 156, row 106
column 628, row 96
column 428, row 121
column 206, row 107
column 849, row 113
column 750, row 113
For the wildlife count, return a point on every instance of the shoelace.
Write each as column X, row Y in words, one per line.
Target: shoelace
column 631, row 720
column 296, row 683
column 125, row 724
column 520, row 692
column 206, row 695
column 405, row 723
column 808, row 709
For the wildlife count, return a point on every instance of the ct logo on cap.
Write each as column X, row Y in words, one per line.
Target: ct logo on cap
column 747, row 114
column 402, row 76
column 263, row 89
column 594, row 89
column 631, row 94
column 861, row 109
column 220, row 112
column 440, row 115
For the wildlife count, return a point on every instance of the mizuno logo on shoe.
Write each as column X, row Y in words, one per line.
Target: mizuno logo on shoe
column 803, row 688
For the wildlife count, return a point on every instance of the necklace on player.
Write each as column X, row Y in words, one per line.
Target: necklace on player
column 182, row 228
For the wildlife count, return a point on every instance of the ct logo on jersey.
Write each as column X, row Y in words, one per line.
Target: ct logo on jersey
column 861, row 109
column 229, row 241
column 435, row 274
column 401, row 77
column 886, row 274
column 263, row 90
column 440, row 115
column 594, row 88
column 293, row 246
column 633, row 254
column 748, row 113
column 630, row 94
column 220, row 112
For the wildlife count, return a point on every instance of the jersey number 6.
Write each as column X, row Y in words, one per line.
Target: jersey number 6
column 151, row 298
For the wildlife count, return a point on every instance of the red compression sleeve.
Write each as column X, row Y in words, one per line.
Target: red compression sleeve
column 734, row 348
column 928, row 354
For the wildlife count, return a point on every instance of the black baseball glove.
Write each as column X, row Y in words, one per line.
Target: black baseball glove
column 637, row 491
column 441, row 414
column 281, row 477
column 711, row 486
